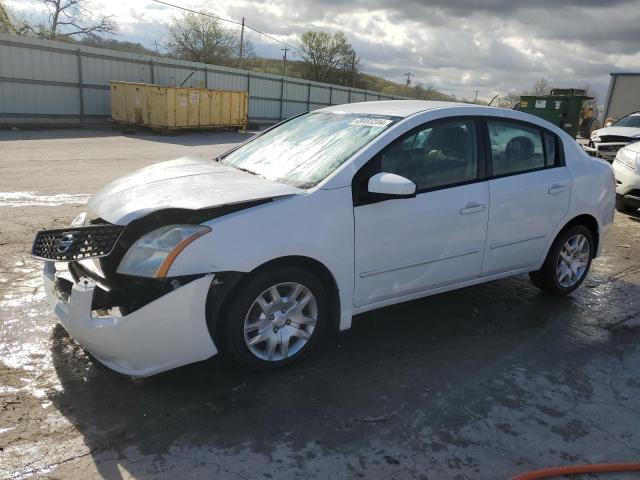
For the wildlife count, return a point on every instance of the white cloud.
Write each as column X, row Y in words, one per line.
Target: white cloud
column 459, row 46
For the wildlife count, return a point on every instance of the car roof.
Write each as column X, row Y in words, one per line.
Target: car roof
column 395, row 108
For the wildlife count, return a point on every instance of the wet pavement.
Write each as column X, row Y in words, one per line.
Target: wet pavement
column 484, row 382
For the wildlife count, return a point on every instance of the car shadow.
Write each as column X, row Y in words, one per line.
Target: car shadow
column 428, row 359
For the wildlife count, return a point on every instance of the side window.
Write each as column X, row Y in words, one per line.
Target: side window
column 551, row 147
column 515, row 147
column 439, row 154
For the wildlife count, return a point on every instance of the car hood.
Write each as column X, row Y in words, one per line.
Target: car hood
column 619, row 132
column 187, row 182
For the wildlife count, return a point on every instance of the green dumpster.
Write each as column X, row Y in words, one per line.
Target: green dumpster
column 562, row 107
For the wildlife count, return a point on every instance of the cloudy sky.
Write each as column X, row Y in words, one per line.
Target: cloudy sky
column 459, row 46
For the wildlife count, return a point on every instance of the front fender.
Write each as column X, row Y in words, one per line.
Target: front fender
column 318, row 225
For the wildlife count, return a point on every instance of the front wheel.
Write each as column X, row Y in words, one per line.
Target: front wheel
column 567, row 262
column 276, row 318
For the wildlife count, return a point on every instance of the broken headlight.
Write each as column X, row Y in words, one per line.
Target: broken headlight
column 153, row 254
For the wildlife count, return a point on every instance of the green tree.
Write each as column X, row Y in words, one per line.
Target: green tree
column 324, row 54
column 6, row 25
column 10, row 22
column 200, row 38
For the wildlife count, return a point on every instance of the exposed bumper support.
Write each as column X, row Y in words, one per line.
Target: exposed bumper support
column 606, row 151
column 169, row 332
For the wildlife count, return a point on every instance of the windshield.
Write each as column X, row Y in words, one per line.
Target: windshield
column 629, row 121
column 306, row 149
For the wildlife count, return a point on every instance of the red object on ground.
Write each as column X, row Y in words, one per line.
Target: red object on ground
column 578, row 469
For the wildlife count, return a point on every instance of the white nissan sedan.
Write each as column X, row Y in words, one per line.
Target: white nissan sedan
column 331, row 213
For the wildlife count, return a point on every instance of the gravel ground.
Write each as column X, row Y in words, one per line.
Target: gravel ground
column 481, row 383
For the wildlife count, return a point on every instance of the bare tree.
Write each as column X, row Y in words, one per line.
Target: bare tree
column 507, row 101
column 323, row 54
column 69, row 19
column 200, row 38
column 541, row 87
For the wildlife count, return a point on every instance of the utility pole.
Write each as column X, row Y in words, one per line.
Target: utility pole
column 155, row 42
column 408, row 81
column 241, row 43
column 476, row 99
column 353, row 70
column 284, row 61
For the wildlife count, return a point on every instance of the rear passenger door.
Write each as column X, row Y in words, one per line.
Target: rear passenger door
column 529, row 193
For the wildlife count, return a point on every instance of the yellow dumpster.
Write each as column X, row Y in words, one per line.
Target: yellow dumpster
column 166, row 107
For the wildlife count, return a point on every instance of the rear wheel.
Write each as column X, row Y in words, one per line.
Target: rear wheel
column 567, row 262
column 276, row 318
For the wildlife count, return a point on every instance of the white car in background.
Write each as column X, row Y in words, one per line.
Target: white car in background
column 605, row 142
column 626, row 167
column 329, row 214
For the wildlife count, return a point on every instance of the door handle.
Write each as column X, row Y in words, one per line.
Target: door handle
column 557, row 188
column 472, row 207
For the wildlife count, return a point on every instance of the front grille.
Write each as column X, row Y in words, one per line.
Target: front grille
column 609, row 148
column 76, row 243
column 615, row 138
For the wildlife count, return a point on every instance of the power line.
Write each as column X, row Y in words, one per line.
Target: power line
column 241, row 24
column 196, row 11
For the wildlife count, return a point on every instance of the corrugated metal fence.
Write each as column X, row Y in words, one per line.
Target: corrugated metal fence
column 49, row 82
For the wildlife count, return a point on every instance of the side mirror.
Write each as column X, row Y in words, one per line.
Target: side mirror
column 392, row 185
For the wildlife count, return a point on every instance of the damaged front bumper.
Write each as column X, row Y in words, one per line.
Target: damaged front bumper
column 606, row 151
column 166, row 333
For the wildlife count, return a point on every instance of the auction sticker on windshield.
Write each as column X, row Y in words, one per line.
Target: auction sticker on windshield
column 370, row 122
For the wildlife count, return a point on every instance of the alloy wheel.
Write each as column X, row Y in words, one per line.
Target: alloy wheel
column 572, row 261
column 280, row 321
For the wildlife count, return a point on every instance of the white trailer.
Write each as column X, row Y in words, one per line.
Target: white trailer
column 623, row 96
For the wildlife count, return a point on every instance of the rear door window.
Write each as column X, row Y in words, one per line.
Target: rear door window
column 515, row 147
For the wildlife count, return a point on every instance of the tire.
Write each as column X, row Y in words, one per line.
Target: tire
column 548, row 278
column 268, row 320
column 623, row 208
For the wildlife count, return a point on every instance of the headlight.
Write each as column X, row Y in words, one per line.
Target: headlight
column 152, row 255
column 594, row 136
column 629, row 159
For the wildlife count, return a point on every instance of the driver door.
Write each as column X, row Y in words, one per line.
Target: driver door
column 410, row 245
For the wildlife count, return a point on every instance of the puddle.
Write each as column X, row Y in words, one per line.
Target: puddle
column 30, row 199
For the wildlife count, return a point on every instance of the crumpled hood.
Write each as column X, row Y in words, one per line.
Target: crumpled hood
column 620, row 131
column 187, row 182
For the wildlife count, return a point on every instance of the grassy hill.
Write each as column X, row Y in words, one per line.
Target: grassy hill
column 363, row 80
column 296, row 69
